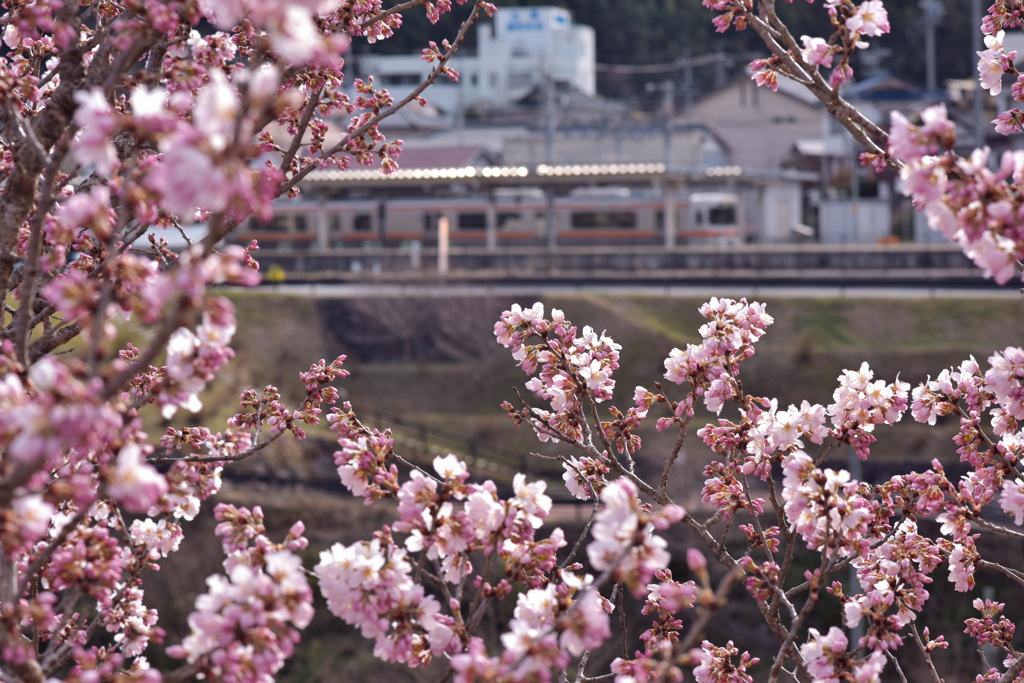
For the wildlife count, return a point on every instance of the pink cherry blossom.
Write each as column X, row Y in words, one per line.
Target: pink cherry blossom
column 870, row 19
column 816, row 51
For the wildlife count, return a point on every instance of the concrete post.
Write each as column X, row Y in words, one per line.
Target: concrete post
column 491, row 226
column 668, row 190
column 442, row 245
column 323, row 240
column 551, row 227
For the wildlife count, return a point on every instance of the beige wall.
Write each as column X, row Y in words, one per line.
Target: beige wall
column 689, row 148
column 758, row 126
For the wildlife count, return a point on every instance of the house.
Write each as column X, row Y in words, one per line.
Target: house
column 759, row 127
column 683, row 145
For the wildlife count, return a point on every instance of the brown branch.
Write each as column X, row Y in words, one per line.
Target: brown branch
column 579, row 541
column 35, row 247
column 1014, row 671
column 1012, row 573
column 171, row 323
column 363, row 129
column 388, row 12
column 307, row 116
column 924, row 652
column 44, row 557
column 684, row 427
column 865, row 131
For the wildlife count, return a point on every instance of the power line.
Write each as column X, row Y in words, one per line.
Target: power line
column 677, row 65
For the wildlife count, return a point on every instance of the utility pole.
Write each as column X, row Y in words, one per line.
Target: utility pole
column 549, row 119
column 460, row 112
column 933, row 11
column 668, row 93
column 720, row 73
column 979, row 121
column 688, row 86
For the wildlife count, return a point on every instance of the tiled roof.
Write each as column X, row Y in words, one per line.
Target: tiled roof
column 440, row 157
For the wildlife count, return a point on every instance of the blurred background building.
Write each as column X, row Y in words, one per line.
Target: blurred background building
column 525, row 152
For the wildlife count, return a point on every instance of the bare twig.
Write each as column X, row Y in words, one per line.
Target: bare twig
column 388, row 12
column 684, row 427
column 924, row 653
column 590, row 520
column 438, row 69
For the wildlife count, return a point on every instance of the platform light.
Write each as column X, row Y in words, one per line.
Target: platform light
column 724, row 171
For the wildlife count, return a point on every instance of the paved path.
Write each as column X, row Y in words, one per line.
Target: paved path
column 456, row 290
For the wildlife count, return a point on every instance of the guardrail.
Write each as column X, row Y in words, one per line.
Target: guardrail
column 850, row 262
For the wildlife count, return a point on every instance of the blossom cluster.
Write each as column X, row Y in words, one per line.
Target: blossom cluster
column 852, row 24
column 965, row 199
column 624, row 540
column 371, row 585
column 548, row 626
column 444, row 520
column 246, row 625
column 829, row 661
column 665, row 599
column 711, row 366
column 861, row 403
column 573, row 369
column 824, row 506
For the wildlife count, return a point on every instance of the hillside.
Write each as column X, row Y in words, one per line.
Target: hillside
column 433, row 362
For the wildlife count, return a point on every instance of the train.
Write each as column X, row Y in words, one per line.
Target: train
column 585, row 217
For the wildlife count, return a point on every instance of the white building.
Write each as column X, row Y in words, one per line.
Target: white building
column 516, row 52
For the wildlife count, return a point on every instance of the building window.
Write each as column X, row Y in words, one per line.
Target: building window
column 520, row 79
column 400, row 79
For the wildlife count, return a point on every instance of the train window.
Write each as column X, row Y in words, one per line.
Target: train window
column 301, row 224
column 478, row 221
column 603, row 219
column 472, row 221
column 362, row 222
column 510, row 221
column 275, row 224
column 430, row 222
column 335, row 223
column 722, row 214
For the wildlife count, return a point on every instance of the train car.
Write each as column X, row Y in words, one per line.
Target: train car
column 590, row 216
